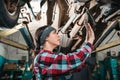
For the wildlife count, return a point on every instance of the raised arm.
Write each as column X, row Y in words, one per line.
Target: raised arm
column 90, row 36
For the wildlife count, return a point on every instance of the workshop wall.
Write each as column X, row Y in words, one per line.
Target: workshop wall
column 108, row 60
column 101, row 55
column 12, row 54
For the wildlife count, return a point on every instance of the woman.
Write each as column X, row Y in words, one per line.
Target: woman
column 49, row 65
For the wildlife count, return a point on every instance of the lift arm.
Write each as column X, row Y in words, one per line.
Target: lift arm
column 13, row 43
column 8, row 32
column 108, row 45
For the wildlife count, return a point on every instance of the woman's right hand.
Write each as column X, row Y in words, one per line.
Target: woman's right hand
column 90, row 36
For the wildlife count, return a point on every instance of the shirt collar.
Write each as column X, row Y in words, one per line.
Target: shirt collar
column 46, row 51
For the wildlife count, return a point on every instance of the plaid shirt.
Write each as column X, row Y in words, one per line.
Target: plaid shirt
column 52, row 65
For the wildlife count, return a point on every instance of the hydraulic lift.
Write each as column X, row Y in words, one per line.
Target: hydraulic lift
column 108, row 69
column 16, row 74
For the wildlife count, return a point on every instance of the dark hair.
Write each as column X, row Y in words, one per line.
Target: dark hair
column 41, row 35
column 38, row 34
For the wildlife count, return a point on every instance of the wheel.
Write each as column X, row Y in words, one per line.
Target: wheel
column 9, row 13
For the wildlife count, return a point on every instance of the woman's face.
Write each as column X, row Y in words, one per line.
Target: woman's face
column 53, row 38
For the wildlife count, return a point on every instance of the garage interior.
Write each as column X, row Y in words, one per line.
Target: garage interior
column 17, row 40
